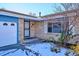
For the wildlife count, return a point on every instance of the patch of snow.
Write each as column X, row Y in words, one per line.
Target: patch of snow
column 44, row 49
column 13, row 52
column 4, row 52
column 17, row 53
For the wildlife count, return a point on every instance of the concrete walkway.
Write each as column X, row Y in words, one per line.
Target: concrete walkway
column 33, row 41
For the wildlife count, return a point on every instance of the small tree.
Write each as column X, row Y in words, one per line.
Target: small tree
column 66, row 35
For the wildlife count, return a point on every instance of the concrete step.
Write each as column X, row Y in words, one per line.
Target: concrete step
column 32, row 40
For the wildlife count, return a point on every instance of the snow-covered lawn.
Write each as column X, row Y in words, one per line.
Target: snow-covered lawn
column 44, row 49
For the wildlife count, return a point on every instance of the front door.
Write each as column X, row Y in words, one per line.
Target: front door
column 27, row 29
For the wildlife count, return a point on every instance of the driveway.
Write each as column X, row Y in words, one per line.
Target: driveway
column 32, row 47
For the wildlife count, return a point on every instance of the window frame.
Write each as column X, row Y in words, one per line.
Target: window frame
column 5, row 24
column 57, row 27
column 51, row 27
column 12, row 24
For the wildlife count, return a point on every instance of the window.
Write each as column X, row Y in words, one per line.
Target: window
column 57, row 27
column 49, row 27
column 12, row 24
column 5, row 24
column 54, row 27
column 26, row 25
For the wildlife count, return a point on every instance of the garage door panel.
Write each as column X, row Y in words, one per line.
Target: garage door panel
column 7, row 38
column 8, row 33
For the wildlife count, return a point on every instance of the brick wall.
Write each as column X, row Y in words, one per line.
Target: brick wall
column 21, row 30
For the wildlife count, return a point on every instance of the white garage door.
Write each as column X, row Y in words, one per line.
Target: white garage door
column 8, row 33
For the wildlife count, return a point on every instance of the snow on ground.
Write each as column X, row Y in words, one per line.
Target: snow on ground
column 42, row 48
column 13, row 52
column 17, row 53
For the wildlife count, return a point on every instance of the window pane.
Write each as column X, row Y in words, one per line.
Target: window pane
column 5, row 24
column 26, row 24
column 56, row 27
column 49, row 24
column 12, row 24
column 26, row 32
column 49, row 27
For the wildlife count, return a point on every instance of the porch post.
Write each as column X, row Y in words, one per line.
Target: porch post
column 21, row 30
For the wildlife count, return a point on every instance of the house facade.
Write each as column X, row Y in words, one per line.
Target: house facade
column 52, row 25
column 14, row 27
column 17, row 27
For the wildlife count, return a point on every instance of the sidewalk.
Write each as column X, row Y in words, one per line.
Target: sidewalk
column 33, row 41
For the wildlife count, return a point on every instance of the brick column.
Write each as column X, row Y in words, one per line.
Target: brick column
column 21, row 30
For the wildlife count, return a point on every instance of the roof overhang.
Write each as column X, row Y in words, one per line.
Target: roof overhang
column 20, row 15
column 38, row 19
